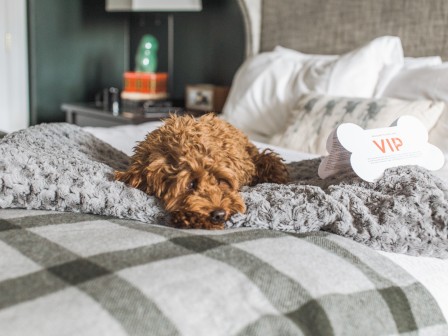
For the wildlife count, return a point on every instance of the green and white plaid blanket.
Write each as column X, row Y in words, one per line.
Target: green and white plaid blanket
column 79, row 274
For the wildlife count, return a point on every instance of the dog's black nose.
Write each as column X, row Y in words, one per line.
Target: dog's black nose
column 217, row 216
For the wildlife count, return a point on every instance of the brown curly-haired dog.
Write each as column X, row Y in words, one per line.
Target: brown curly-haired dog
column 197, row 167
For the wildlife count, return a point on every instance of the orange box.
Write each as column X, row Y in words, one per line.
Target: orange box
column 145, row 82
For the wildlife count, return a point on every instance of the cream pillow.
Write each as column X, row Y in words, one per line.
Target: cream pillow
column 266, row 87
column 316, row 116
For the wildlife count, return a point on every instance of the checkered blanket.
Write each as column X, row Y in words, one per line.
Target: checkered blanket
column 80, row 274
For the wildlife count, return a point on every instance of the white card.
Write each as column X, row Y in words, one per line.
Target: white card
column 369, row 152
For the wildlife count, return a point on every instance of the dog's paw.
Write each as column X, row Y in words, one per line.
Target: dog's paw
column 270, row 169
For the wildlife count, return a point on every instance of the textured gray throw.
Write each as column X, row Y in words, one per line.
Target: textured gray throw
column 61, row 167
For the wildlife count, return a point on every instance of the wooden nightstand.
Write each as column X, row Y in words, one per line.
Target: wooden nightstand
column 87, row 114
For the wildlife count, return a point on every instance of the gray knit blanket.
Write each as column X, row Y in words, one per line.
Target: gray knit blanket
column 61, row 167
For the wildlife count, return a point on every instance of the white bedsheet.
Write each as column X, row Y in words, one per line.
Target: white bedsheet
column 431, row 272
column 125, row 137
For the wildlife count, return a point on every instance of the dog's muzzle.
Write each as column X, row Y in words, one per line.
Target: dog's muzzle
column 217, row 216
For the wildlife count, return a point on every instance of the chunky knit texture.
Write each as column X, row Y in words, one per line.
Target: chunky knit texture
column 61, row 167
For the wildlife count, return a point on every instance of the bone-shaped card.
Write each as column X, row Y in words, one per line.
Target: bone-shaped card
column 369, row 152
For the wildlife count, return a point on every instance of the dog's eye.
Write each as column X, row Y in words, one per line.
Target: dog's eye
column 225, row 183
column 192, row 185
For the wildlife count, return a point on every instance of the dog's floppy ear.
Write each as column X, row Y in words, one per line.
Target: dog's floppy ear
column 147, row 175
column 148, row 168
column 133, row 176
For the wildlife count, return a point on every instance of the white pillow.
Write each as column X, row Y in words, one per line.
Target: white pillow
column 419, row 62
column 316, row 116
column 267, row 86
column 425, row 83
column 429, row 82
column 264, row 89
column 389, row 72
column 439, row 134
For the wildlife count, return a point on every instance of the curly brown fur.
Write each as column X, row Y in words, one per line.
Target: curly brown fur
column 197, row 167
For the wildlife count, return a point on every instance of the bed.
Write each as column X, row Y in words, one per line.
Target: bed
column 89, row 272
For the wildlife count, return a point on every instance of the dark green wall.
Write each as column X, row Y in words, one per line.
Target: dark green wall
column 77, row 48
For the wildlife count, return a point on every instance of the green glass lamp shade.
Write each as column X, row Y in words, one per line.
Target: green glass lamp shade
column 146, row 56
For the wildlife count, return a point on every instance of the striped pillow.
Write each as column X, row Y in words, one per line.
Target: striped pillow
column 316, row 116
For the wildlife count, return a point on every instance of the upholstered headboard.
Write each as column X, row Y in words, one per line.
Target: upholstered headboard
column 337, row 26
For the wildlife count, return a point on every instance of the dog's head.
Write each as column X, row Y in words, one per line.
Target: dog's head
column 200, row 188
